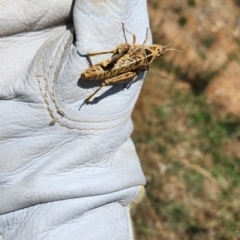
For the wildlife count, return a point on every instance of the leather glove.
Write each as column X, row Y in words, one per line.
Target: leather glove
column 68, row 170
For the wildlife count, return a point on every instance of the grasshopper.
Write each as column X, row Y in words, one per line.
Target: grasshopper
column 127, row 61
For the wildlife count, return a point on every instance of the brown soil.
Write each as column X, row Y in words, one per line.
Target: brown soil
column 187, row 124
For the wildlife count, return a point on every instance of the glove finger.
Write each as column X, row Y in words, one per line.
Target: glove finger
column 24, row 16
column 98, row 27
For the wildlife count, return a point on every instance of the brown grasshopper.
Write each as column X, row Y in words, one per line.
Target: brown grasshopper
column 127, row 61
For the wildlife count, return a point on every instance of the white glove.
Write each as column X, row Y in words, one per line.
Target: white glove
column 65, row 173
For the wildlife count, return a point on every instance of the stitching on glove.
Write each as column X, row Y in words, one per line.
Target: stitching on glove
column 54, row 120
column 44, row 96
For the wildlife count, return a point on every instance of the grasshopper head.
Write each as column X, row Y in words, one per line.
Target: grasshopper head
column 156, row 50
column 153, row 51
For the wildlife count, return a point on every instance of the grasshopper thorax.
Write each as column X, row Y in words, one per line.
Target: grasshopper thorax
column 123, row 48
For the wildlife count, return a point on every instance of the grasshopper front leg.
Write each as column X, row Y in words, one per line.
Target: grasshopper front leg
column 117, row 54
column 100, row 53
column 118, row 79
column 104, row 63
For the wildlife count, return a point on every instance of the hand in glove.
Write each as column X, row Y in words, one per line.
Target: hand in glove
column 68, row 170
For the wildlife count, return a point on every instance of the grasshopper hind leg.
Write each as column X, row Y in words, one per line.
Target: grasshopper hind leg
column 87, row 100
column 118, row 79
column 131, row 82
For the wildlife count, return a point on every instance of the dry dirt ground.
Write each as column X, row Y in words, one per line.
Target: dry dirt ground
column 187, row 124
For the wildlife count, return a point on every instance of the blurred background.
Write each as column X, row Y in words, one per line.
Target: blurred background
column 187, row 124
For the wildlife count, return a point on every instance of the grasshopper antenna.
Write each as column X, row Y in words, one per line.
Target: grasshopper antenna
column 172, row 40
column 173, row 49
